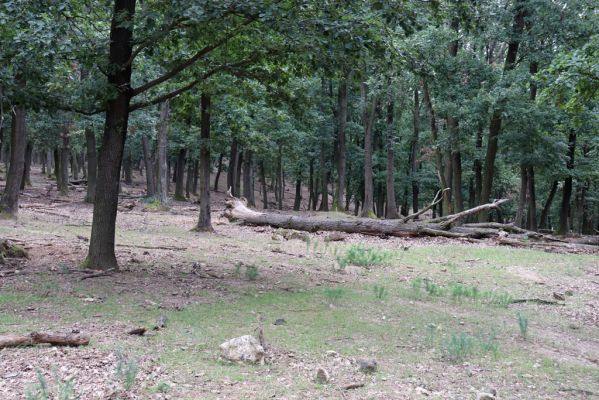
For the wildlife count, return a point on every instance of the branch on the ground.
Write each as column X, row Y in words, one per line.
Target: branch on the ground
column 98, row 274
column 448, row 220
column 537, row 301
column 35, row 338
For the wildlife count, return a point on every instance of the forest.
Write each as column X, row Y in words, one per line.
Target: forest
column 160, row 160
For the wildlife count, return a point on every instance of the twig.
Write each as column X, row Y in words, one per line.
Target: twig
column 98, row 274
column 353, row 386
column 537, row 301
column 435, row 201
column 152, row 247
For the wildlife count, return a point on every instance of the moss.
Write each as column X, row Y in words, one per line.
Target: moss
column 12, row 251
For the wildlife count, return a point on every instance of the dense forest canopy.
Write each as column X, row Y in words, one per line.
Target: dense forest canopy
column 370, row 107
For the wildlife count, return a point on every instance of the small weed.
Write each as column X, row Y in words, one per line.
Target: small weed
column 333, row 294
column 162, row 387
column 459, row 346
column 363, row 256
column 523, row 325
column 416, row 286
column 126, row 370
column 251, row 272
column 237, row 271
column 65, row 390
column 380, row 292
column 433, row 289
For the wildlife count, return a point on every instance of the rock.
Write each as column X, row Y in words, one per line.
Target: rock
column 335, row 237
column 367, row 365
column 160, row 322
column 559, row 296
column 280, row 321
column 485, row 396
column 422, row 391
column 244, row 348
column 322, row 376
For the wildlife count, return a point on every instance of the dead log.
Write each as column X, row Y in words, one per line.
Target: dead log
column 237, row 210
column 34, row 338
column 448, row 220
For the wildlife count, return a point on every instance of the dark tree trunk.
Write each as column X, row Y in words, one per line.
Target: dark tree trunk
column 453, row 128
column 311, row 184
column 101, row 245
column 128, row 167
column 190, row 177
column 238, row 168
column 63, row 182
column 150, row 180
column 438, row 156
column 163, row 164
column 391, row 211
column 26, row 181
column 564, row 213
column 74, row 166
column 368, row 117
column 495, row 125
column 205, row 221
column 247, row 178
column 180, row 171
column 43, row 156
column 478, row 169
column 339, row 197
column 56, row 157
column 232, row 166
column 50, row 162
column 281, row 185
column 9, row 202
column 544, row 221
column 263, row 186
column 196, row 177
column 531, row 219
column 218, row 171
column 414, row 152
column 298, row 195
column 324, row 203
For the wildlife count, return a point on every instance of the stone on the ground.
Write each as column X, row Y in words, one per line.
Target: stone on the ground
column 280, row 321
column 335, row 237
column 485, row 396
column 367, row 365
column 244, row 348
column 322, row 376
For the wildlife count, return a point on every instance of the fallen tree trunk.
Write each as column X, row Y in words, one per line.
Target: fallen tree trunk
column 34, row 338
column 236, row 210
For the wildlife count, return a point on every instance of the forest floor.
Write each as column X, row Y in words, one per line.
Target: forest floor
column 436, row 314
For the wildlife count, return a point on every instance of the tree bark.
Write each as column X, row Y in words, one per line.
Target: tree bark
column 495, row 125
column 238, row 167
column 367, row 122
column 26, row 181
column 180, row 173
column 163, row 169
column 101, row 245
column 339, row 198
column 205, row 219
column 414, row 152
column 281, row 185
column 9, row 202
column 531, row 218
column 128, row 166
column 218, row 171
column 544, row 220
column 298, row 194
column 324, row 203
column 150, row 180
column 247, row 178
column 263, row 185
column 43, row 338
column 232, row 166
column 391, row 211
column 520, row 213
column 564, row 214
column 63, row 182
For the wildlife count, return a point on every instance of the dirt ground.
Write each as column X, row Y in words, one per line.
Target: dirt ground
column 403, row 312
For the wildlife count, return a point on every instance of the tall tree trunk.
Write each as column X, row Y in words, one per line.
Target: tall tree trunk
column 391, row 211
column 232, row 166
column 180, row 171
column 128, row 166
column 238, row 167
column 263, row 186
column 205, row 221
column 26, row 181
column 218, row 171
column 298, row 194
column 74, row 165
column 56, row 157
column 478, row 169
column 196, row 177
column 189, row 180
column 438, row 156
column 495, row 125
column 150, row 180
column 564, row 213
column 339, row 197
column 531, row 224
column 544, row 221
column 9, row 202
column 281, row 185
column 324, row 203
column 247, row 178
column 63, row 183
column 368, row 118
column 521, row 212
column 414, row 152
column 163, row 168
column 101, row 245
column 43, row 156
column 453, row 128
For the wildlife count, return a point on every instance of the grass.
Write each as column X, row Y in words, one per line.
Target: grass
column 363, row 256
